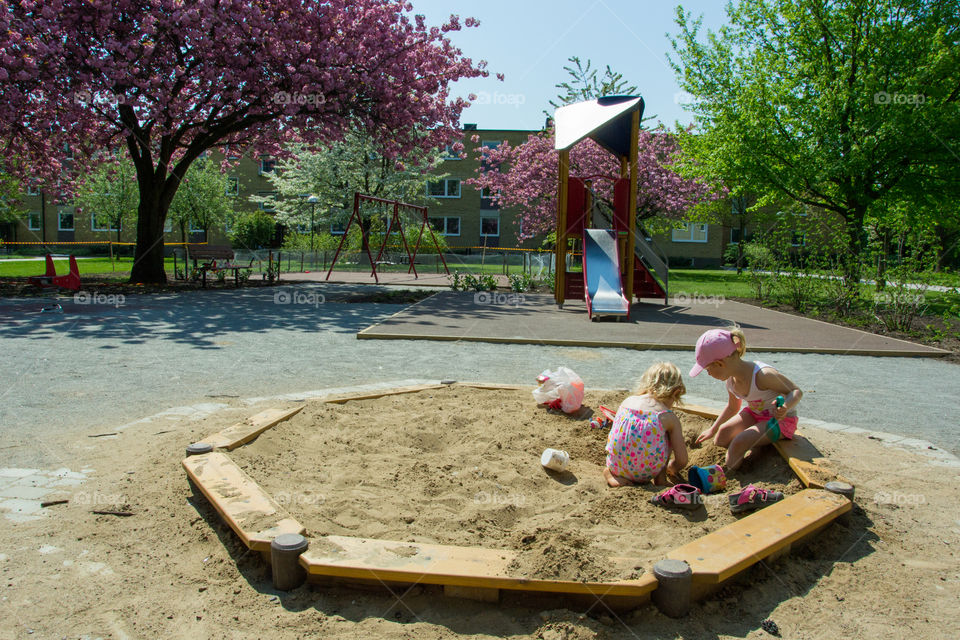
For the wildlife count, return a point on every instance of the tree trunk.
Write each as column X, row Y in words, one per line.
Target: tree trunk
column 148, row 260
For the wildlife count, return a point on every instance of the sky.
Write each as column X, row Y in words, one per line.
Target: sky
column 529, row 41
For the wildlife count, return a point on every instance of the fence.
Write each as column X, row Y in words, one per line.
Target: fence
column 538, row 264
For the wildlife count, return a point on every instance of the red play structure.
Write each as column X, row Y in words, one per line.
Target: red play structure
column 394, row 224
column 50, row 279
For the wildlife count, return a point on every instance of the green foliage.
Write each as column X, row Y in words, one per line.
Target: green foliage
column 201, row 200
column 761, row 263
column 333, row 174
column 470, row 282
column 323, row 241
column 520, row 282
column 111, row 193
column 821, row 104
column 244, row 275
column 586, row 84
column 252, row 230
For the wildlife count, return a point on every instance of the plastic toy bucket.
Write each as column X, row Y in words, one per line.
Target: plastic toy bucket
column 708, row 479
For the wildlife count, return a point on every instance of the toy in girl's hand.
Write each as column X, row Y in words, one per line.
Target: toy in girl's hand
column 773, row 426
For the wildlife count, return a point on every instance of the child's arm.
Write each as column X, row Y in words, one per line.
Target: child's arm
column 771, row 379
column 671, row 425
column 733, row 406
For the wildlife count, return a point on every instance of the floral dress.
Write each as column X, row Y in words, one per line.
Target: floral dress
column 637, row 447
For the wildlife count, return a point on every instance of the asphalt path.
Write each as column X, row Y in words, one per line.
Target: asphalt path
column 105, row 362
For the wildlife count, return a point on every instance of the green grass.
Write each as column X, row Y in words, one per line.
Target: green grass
column 119, row 267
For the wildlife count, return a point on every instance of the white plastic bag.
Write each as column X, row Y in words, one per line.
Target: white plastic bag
column 561, row 389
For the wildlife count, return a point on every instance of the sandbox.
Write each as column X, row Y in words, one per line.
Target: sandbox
column 442, row 485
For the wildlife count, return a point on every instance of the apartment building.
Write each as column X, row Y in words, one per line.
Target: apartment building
column 468, row 219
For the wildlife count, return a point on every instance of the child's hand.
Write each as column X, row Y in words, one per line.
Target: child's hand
column 706, row 435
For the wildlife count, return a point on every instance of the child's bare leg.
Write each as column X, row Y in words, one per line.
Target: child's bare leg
column 661, row 479
column 750, row 438
column 730, row 429
column 615, row 481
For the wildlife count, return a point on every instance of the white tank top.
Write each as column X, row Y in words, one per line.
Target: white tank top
column 758, row 400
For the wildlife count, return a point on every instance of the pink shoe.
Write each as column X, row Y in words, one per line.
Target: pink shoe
column 752, row 497
column 682, row 496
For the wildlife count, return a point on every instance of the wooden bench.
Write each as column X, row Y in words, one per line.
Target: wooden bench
column 208, row 257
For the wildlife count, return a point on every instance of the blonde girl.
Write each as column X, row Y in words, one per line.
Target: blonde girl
column 756, row 384
column 645, row 431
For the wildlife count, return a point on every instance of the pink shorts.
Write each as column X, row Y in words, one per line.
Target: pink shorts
column 788, row 424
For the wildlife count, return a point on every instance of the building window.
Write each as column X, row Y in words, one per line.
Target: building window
column 65, row 221
column 233, row 187
column 487, row 201
column 449, row 153
column 337, row 228
column 33, row 190
column 196, row 228
column 168, row 225
column 449, row 188
column 490, row 226
column 690, row 232
column 266, row 164
column 799, row 239
column 267, row 205
column 102, row 222
column 447, row 226
column 33, row 221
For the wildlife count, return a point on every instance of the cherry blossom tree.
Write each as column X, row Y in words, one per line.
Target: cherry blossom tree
column 168, row 79
column 525, row 177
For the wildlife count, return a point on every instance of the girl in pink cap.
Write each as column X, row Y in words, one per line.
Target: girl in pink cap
column 645, row 431
column 755, row 384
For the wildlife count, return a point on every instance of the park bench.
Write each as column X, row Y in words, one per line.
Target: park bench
column 215, row 259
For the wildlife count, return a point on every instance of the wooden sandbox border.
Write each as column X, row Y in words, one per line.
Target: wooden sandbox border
column 480, row 573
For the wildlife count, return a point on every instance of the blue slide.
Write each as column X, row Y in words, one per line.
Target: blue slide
column 601, row 274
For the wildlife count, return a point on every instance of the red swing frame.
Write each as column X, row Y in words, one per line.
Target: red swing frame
column 394, row 223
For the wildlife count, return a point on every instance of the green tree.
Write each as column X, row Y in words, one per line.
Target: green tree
column 201, row 201
column 586, row 84
column 835, row 104
column 252, row 229
column 110, row 195
column 11, row 207
column 334, row 174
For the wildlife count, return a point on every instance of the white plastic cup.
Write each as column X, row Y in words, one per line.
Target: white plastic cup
column 555, row 459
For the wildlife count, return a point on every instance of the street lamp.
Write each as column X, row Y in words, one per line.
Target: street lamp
column 313, row 200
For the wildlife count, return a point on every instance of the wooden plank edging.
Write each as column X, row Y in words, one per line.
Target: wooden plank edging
column 380, row 393
column 243, row 432
column 405, row 562
column 720, row 555
column 245, row 507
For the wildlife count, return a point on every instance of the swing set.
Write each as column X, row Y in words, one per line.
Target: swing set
column 394, row 224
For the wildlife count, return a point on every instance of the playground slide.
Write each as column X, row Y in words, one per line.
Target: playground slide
column 601, row 274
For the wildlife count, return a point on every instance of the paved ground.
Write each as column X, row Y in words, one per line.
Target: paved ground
column 99, row 366
column 535, row 319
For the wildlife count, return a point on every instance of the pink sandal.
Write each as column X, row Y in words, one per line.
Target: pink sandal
column 752, row 497
column 682, row 496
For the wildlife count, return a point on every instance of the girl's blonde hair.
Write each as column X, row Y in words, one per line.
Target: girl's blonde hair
column 663, row 381
column 739, row 340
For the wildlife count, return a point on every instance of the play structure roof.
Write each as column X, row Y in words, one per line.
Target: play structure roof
column 605, row 120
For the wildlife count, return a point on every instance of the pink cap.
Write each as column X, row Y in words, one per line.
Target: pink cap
column 713, row 345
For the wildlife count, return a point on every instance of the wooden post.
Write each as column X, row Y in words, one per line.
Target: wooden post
column 632, row 204
column 561, row 248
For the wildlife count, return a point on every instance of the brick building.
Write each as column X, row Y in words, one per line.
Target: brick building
column 467, row 219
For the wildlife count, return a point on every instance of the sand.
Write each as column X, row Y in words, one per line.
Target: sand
column 172, row 569
column 453, row 471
